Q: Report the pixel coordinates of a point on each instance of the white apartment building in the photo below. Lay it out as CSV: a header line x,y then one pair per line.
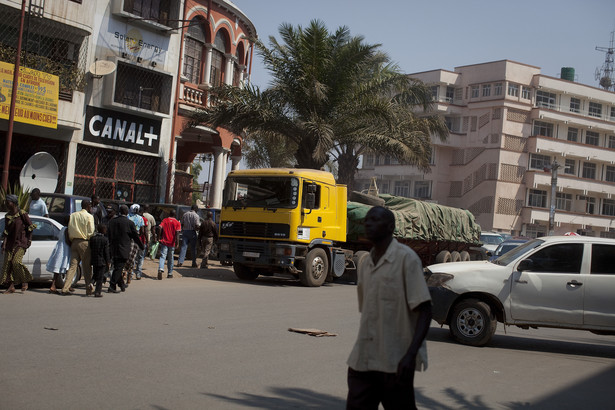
x,y
508,124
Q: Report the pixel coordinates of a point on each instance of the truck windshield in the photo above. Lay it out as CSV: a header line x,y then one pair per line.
x,y
518,251
258,191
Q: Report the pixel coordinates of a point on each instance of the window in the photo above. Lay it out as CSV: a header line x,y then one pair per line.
x,y
193,51
305,192
434,92
612,113
575,105
602,259
563,201
422,189
543,128
610,174
217,59
611,141
402,188
140,88
595,109
545,99
369,159
538,161
157,10
450,94
458,94
573,134
589,170
44,231
590,205
560,258
497,89
537,198
525,93
513,90
486,90
384,187
592,138
569,167
608,207
474,91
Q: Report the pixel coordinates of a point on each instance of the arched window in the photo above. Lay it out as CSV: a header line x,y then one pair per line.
x,y
217,59
193,51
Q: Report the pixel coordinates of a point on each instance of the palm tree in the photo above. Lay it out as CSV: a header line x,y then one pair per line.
x,y
332,96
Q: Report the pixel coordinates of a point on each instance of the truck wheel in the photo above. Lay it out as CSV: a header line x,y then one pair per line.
x,y
243,272
465,256
315,268
472,322
455,256
443,257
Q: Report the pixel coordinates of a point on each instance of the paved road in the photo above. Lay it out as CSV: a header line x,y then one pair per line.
x,y
203,340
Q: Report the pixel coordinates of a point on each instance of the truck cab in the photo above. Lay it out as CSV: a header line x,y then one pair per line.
x,y
283,221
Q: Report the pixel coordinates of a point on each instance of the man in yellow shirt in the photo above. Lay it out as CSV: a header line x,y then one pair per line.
x,y
395,308
80,229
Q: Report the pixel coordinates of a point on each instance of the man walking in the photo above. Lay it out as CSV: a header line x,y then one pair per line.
x,y
122,232
169,240
80,230
37,205
190,224
98,211
135,260
395,311
208,232
101,257
150,228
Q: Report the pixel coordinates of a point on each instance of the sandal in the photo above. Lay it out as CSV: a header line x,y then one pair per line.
x,y
24,287
54,291
8,291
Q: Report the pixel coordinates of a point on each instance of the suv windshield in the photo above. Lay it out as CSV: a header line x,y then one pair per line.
x,y
258,191
518,251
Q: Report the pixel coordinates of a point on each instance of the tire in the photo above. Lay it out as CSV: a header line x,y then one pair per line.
x,y
443,257
472,322
351,275
61,279
455,256
465,256
244,272
315,268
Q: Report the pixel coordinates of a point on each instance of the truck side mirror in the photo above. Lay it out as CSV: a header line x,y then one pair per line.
x,y
310,200
525,264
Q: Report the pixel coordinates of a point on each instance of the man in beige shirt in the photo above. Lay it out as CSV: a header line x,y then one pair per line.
x,y
80,230
395,308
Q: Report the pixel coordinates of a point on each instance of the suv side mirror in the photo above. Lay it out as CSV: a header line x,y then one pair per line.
x,y
525,264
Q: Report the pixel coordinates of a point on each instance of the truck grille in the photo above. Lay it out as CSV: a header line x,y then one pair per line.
x,y
254,229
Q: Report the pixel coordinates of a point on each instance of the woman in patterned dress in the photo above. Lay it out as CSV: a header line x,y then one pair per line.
x,y
17,237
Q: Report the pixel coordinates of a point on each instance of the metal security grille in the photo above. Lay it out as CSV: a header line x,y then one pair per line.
x,y
47,46
116,175
143,88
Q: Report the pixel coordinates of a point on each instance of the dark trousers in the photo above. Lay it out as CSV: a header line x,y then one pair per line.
x,y
98,273
116,277
366,390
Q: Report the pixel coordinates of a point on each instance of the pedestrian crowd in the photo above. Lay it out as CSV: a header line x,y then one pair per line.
x,y
105,243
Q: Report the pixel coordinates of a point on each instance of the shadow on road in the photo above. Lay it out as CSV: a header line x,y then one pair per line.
x,y
592,393
509,342
285,398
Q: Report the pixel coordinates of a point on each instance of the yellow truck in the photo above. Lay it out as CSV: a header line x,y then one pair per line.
x,y
294,221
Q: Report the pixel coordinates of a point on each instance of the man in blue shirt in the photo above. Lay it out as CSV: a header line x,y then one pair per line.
x,y
136,262
37,205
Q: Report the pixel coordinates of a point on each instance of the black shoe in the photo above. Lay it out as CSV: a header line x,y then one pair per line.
x,y
194,265
169,276
179,265
112,290
98,295
160,272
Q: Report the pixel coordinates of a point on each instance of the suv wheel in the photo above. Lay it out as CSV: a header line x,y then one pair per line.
x,y
472,322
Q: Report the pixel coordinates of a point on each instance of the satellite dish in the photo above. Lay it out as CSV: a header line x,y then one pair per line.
x,y
40,171
100,68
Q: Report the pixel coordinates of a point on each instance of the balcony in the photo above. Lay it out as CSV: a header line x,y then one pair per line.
x,y
542,180
572,220
565,148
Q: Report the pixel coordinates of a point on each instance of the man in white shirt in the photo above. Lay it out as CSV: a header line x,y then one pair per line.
x,y
190,226
37,205
395,308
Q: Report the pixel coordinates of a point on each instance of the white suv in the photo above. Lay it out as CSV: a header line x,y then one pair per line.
x,y
557,281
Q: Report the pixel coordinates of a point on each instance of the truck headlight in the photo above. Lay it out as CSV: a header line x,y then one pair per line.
x,y
283,251
225,246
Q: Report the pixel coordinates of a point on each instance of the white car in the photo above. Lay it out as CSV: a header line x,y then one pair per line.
x,y
44,239
491,241
558,281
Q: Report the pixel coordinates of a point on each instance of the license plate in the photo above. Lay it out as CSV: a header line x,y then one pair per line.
x,y
251,254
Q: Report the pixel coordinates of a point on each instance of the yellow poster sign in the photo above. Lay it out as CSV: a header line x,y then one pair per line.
x,y
37,96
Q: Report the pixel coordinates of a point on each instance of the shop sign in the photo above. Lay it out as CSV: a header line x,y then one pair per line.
x,y
37,96
135,42
123,130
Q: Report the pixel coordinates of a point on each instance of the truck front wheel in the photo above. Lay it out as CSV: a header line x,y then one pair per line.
x,y
244,272
315,268
472,322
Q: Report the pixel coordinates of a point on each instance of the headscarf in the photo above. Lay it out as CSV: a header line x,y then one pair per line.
x,y
12,198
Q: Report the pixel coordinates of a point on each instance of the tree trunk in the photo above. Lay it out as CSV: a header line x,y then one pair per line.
x,y
304,156
347,164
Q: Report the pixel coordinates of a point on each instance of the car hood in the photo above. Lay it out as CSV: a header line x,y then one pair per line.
x,y
473,276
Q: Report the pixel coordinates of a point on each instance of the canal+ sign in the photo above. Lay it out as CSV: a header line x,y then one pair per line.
x,y
118,129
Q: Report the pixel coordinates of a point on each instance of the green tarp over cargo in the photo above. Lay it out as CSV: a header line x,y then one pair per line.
x,y
418,220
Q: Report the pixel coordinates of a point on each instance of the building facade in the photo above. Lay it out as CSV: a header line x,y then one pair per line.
x,y
128,79
509,125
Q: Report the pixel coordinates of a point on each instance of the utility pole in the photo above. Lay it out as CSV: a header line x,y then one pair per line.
x,y
554,167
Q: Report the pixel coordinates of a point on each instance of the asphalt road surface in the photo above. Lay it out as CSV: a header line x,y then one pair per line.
x,y
204,340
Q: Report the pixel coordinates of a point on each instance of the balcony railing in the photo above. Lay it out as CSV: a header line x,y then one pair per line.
x,y
606,114
193,95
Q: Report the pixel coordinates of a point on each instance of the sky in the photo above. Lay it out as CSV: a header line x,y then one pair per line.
x,y
444,34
